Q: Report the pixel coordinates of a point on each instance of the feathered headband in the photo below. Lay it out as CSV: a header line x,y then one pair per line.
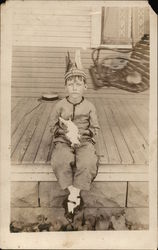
x,y
74,69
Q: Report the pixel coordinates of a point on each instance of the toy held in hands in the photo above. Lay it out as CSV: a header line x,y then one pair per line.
x,y
73,133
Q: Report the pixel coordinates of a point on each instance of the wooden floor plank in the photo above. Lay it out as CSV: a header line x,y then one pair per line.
x,y
26,138
137,132
109,141
131,135
31,151
101,142
100,146
126,157
14,102
143,103
18,108
141,124
138,135
45,145
144,114
21,109
22,127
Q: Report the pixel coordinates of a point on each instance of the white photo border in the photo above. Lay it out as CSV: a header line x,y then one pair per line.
x,y
146,239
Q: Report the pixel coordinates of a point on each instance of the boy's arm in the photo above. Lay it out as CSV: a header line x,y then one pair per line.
x,y
54,120
94,125
54,124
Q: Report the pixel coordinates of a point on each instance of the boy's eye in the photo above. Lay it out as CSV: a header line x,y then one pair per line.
x,y
70,84
80,78
73,78
70,78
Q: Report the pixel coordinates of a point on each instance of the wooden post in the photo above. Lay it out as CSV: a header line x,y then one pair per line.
x,y
95,27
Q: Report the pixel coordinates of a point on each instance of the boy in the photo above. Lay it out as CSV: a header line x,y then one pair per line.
x,y
81,115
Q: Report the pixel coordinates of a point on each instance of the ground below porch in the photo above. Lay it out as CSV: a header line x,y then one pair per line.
x,y
109,205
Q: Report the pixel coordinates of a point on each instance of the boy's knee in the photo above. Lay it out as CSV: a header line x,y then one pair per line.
x,y
61,155
87,165
88,161
55,162
61,162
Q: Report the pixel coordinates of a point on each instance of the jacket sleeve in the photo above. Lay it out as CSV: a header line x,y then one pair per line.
x,y
93,120
54,119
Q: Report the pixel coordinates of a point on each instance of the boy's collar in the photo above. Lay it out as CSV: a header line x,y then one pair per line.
x,y
67,98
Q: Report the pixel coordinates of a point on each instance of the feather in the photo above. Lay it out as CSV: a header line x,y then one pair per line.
x,y
69,63
78,59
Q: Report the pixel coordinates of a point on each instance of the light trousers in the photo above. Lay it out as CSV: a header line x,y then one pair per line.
x,y
74,166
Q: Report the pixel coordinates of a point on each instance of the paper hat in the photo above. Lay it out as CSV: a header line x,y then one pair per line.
x,y
74,69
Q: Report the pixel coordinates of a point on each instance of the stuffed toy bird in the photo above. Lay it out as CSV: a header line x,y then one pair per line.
x,y
73,133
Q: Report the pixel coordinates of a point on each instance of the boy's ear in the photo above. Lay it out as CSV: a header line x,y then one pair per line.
x,y
85,86
65,85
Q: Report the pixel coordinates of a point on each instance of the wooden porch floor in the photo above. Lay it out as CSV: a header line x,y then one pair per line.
x,y
123,138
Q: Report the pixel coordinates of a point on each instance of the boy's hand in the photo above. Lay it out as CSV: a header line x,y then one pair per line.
x,y
60,131
84,132
90,132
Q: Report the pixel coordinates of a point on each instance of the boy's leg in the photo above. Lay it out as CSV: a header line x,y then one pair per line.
x,y
86,166
62,156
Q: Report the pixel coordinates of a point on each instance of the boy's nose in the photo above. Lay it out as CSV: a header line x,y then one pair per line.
x,y
74,85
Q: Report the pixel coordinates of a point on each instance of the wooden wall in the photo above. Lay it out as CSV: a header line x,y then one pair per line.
x,y
52,26
41,36
41,69
37,70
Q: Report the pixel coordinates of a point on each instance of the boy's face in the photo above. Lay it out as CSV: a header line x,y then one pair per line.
x,y
76,86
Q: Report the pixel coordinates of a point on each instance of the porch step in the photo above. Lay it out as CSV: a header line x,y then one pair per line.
x,y
114,172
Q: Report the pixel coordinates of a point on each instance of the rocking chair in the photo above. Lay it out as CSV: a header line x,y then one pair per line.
x,y
128,69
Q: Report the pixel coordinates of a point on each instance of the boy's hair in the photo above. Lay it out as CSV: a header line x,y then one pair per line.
x,y
84,79
74,69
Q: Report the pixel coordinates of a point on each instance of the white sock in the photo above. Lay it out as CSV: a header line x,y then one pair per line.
x,y
70,188
71,207
74,193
